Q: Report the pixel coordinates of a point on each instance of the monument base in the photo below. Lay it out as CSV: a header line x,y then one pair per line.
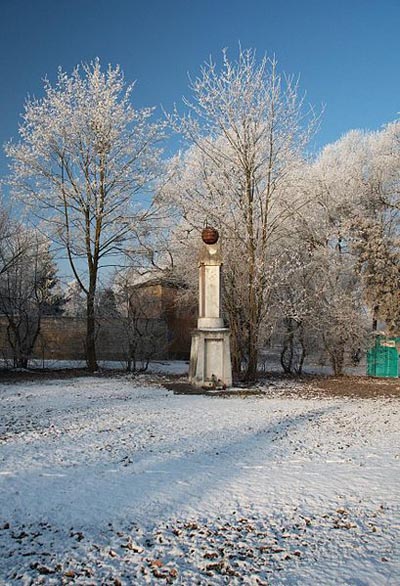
x,y
210,358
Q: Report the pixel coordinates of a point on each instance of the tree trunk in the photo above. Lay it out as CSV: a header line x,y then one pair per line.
x,y
236,351
253,332
22,336
91,358
236,360
252,352
303,350
288,347
375,318
252,365
337,361
252,326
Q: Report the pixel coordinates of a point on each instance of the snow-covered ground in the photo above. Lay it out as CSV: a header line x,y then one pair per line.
x,y
118,481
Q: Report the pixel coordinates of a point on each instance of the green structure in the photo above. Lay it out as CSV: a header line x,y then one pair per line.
x,y
383,358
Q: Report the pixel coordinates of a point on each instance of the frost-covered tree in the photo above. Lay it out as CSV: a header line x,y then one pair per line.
x,y
359,182
28,290
106,304
318,302
339,317
385,151
292,305
376,228
9,251
379,266
140,314
84,153
246,129
75,305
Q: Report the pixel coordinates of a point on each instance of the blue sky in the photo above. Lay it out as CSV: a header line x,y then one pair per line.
x,y
346,52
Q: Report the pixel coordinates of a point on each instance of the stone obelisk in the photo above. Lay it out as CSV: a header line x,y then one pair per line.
x,y
210,356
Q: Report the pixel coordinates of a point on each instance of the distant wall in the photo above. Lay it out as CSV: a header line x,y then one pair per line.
x,y
63,338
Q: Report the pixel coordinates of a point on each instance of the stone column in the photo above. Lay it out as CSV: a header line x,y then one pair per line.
x,y
210,359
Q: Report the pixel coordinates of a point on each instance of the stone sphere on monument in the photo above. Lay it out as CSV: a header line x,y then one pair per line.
x,y
209,235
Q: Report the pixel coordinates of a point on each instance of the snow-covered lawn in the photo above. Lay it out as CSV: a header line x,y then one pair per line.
x,y
119,481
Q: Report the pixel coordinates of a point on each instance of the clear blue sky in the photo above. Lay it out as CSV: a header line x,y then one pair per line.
x,y
347,52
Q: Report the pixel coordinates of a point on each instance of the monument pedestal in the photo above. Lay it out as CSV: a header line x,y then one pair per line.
x,y
210,358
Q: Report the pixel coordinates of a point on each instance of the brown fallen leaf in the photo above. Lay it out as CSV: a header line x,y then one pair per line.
x,y
44,570
158,574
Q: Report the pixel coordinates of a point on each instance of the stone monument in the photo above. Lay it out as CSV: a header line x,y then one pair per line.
x,y
210,355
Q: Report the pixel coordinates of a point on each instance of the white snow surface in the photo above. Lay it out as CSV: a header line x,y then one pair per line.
x,y
119,481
